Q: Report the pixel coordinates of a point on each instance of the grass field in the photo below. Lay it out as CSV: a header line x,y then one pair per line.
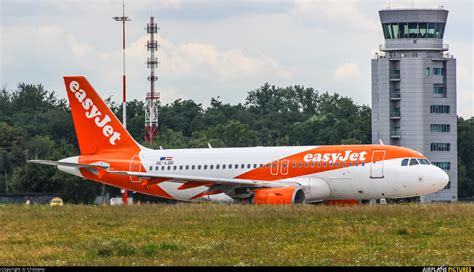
x,y
215,234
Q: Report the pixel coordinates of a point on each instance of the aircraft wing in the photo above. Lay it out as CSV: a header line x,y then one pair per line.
x,y
187,178
154,178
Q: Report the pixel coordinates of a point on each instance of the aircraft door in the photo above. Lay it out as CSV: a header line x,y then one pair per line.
x,y
284,165
376,167
274,168
135,166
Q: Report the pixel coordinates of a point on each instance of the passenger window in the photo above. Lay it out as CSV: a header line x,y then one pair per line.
x,y
337,164
267,165
236,166
187,167
319,164
248,166
405,162
306,165
261,165
294,165
169,167
156,168
230,166
325,164
151,168
312,165
199,167
350,164
300,165
205,166
193,167
357,164
162,168
174,167
211,166
413,162
363,164
217,166
344,164
331,164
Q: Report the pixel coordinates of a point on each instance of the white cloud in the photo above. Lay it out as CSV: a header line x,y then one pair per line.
x,y
226,66
205,62
344,15
347,71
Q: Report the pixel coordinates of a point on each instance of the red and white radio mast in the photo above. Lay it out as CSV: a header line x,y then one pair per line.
x,y
152,99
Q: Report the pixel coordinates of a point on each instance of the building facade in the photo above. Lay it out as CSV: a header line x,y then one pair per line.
x,y
414,90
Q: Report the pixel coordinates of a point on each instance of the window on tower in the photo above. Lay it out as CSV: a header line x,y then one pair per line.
x,y
430,30
440,147
443,165
422,29
438,71
440,128
403,30
439,109
395,31
413,30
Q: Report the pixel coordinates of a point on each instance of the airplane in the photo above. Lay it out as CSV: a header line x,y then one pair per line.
x,y
258,175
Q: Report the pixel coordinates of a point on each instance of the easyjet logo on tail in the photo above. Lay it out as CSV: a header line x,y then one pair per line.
x,y
348,155
92,112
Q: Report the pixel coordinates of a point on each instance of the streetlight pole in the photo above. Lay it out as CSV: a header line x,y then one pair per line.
x,y
123,19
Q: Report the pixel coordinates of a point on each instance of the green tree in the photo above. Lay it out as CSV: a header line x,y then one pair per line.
x,y
465,157
233,134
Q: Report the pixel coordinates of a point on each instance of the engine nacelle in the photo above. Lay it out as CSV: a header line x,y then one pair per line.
x,y
286,195
315,189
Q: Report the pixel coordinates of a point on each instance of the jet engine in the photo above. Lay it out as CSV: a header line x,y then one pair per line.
x,y
286,195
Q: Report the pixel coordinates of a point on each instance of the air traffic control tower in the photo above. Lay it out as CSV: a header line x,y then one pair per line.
x,y
414,90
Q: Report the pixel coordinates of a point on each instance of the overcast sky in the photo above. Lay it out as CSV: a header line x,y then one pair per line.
x,y
214,48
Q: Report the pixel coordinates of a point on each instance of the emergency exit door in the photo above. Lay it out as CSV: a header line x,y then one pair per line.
x,y
376,167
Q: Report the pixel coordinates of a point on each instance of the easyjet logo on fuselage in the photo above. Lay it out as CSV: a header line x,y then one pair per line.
x,y
93,112
348,155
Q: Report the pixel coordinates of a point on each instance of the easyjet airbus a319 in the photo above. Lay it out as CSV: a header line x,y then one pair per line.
x,y
262,175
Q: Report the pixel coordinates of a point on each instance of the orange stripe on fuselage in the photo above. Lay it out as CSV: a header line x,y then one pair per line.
x,y
264,173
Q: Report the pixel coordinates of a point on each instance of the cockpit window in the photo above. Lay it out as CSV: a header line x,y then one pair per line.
x,y
424,161
413,162
405,162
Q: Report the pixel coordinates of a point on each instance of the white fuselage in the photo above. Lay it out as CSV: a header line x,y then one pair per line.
x,y
368,179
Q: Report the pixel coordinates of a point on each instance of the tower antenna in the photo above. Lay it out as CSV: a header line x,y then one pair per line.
x,y
152,99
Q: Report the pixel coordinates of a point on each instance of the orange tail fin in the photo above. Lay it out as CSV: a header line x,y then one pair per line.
x,y
97,128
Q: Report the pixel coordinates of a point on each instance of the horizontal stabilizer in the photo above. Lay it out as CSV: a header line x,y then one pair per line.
x,y
70,164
